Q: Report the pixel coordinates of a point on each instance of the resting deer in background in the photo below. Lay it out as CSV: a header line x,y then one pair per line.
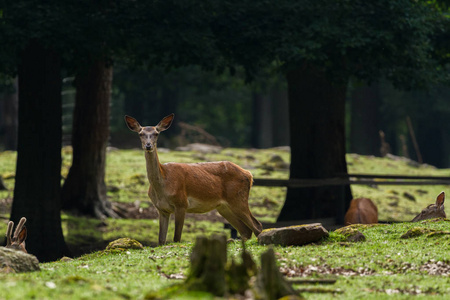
x,y
194,188
433,210
16,242
361,211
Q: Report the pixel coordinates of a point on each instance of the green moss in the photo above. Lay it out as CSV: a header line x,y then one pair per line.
x,y
124,243
414,232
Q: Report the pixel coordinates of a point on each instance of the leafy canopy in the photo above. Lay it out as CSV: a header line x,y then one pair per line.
x,y
366,39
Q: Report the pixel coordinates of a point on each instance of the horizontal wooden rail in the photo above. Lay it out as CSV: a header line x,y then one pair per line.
x,y
360,179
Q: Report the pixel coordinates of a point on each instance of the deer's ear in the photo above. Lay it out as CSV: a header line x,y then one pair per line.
x,y
440,199
165,123
22,235
132,124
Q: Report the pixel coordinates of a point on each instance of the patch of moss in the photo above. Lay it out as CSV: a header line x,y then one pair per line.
x,y
414,232
124,243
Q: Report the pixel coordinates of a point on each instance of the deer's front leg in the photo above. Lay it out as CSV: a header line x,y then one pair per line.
x,y
179,223
163,226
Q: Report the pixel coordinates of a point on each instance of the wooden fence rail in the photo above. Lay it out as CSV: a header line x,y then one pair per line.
x,y
360,179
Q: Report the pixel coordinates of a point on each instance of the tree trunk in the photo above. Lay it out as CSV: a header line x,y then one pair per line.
x,y
8,118
280,111
37,188
365,120
262,121
84,190
317,113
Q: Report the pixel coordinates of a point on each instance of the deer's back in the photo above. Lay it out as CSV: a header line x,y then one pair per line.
x,y
361,211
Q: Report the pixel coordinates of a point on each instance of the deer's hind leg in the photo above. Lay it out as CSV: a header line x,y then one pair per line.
x,y
245,216
241,227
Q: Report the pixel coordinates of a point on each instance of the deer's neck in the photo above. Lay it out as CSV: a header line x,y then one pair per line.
x,y
154,168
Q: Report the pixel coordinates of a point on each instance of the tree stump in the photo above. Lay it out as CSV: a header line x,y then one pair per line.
x,y
239,275
208,261
270,283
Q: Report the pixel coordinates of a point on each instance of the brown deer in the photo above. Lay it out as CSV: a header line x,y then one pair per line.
x,y
433,210
179,188
16,242
361,211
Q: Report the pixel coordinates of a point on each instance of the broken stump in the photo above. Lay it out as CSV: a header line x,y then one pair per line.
x,y
270,283
208,260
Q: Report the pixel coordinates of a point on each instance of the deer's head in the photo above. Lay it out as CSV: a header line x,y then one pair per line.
x,y
149,134
435,210
16,241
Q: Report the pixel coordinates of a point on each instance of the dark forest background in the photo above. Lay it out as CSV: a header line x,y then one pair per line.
x,y
237,114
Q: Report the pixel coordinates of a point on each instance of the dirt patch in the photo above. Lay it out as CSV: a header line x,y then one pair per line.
x,y
309,270
431,267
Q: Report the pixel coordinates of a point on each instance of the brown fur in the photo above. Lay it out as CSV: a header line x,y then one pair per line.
x,y
16,241
361,211
195,188
436,210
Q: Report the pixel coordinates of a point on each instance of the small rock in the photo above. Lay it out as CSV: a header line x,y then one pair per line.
x,y
275,158
202,148
124,243
351,234
293,235
13,261
414,232
66,259
409,196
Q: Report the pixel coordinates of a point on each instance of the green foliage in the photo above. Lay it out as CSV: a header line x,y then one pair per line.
x,y
366,39
219,104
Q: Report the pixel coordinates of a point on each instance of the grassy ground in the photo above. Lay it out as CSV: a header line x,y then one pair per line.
x,y
385,266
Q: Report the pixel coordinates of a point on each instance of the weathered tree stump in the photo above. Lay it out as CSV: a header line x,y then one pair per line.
x,y
239,275
210,272
208,260
270,283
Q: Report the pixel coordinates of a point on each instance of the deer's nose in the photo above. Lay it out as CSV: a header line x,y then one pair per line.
x,y
148,146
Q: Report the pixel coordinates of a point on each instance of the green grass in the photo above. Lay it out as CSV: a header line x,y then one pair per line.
x,y
395,265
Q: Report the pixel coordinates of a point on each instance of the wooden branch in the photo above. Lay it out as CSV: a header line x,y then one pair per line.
x,y
414,141
185,128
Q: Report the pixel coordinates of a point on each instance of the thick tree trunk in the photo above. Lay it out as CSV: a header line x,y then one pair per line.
x,y
280,111
84,190
262,121
8,118
365,120
37,188
316,112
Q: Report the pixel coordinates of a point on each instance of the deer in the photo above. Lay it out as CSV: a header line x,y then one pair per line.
x,y
16,241
180,188
361,211
435,210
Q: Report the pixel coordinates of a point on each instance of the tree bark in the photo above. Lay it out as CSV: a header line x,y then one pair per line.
x,y
8,119
262,129
84,190
37,188
317,126
365,120
280,122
